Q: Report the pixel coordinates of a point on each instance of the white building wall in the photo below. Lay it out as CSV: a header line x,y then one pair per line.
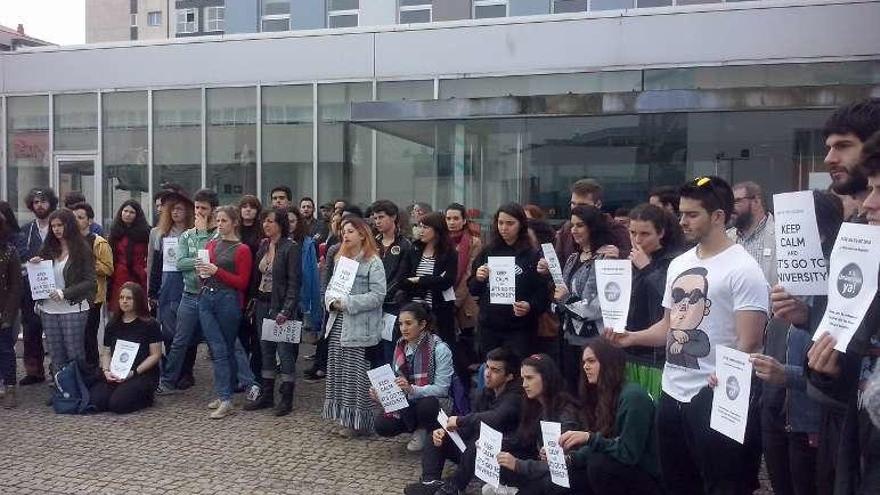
x,y
378,12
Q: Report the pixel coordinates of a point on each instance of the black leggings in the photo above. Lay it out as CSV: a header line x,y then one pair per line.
x,y
421,413
126,397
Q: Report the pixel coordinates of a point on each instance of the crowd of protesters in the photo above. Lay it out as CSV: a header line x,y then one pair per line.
x,y
634,406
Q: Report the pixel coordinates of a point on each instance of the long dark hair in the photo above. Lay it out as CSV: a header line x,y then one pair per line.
x,y
141,308
599,401
9,216
662,220
420,312
597,224
522,238
443,243
279,215
299,232
137,232
5,231
79,250
554,395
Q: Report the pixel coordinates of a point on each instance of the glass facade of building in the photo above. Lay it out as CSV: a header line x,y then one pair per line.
x,y
649,129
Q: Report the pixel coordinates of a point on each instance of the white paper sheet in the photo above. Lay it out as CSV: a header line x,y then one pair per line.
x,y
800,264
614,283
388,321
550,433
443,419
553,263
730,402
390,395
502,279
486,465
169,254
124,354
290,332
41,278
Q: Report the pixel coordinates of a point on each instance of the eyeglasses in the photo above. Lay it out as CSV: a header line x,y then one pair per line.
x,y
693,297
742,199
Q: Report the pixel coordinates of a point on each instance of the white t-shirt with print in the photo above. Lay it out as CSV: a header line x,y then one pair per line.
x,y
735,282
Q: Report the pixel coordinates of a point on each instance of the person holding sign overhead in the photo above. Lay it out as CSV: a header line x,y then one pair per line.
x,y
618,454
65,311
545,400
275,285
656,239
577,299
355,328
423,366
428,274
513,324
130,331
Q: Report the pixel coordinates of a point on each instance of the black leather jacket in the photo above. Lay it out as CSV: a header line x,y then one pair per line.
x,y
286,275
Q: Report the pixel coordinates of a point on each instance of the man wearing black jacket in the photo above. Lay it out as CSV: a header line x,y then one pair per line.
x,y
498,406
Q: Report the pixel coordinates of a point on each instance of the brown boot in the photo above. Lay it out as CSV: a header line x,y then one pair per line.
x,y
9,401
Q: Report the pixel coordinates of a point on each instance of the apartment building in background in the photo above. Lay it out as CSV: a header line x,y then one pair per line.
x,y
121,20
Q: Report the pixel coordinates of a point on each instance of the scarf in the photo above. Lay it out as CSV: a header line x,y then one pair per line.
x,y
462,242
420,371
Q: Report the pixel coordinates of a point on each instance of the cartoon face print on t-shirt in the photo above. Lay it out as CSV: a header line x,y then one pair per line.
x,y
685,342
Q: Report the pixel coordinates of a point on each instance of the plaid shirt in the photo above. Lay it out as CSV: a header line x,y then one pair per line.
x,y
761,244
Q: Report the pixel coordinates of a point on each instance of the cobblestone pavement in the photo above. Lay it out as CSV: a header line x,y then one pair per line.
x,y
174,448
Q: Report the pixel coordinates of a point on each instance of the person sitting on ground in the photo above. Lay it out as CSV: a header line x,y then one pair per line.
x,y
423,366
498,406
131,324
618,455
546,400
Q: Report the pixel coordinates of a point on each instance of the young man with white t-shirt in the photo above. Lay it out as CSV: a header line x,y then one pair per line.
x,y
715,295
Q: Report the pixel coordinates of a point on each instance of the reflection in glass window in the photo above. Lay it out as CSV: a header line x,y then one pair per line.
x,y
275,15
187,21
177,138
287,138
345,151
28,152
653,3
611,4
342,13
232,142
414,11
76,122
548,84
484,9
561,6
124,157
215,18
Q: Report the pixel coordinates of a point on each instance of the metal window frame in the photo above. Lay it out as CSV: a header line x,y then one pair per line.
x,y
489,3
219,23
4,166
274,17
341,13
194,22
154,13
428,5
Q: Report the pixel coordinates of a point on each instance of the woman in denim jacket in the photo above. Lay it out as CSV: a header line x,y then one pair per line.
x,y
354,329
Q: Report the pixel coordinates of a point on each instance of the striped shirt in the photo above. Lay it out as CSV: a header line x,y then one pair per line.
x,y
425,268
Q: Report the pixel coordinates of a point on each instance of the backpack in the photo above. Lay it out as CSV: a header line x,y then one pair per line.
x,y
458,391
71,395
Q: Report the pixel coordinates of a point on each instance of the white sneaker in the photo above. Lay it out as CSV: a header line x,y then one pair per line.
x,y
214,404
417,442
253,393
225,409
501,490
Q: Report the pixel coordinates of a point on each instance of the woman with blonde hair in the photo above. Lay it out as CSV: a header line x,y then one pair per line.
x,y
355,330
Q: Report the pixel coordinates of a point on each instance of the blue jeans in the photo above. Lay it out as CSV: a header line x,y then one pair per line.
x,y
187,328
220,314
169,301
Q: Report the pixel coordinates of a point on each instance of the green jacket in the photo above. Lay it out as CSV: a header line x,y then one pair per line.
x,y
187,251
635,443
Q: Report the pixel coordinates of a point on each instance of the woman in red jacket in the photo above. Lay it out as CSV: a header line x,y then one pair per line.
x,y
225,279
129,237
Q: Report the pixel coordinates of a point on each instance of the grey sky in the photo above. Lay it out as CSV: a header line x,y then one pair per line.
x,y
62,22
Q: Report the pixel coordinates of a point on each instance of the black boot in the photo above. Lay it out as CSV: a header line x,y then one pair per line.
x,y
266,398
285,405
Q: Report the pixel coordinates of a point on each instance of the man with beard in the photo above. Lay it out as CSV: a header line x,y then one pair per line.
x,y
845,132
41,201
753,227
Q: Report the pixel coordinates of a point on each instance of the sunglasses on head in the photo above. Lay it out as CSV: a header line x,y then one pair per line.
x,y
694,296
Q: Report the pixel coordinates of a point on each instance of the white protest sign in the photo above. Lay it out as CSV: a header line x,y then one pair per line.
x,y
344,273
443,419
502,279
800,264
550,432
730,402
388,321
486,465
614,283
169,254
204,256
449,294
553,264
123,358
852,282
290,332
41,278
390,395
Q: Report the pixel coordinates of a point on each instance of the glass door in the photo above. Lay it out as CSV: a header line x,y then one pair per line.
x,y
77,173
